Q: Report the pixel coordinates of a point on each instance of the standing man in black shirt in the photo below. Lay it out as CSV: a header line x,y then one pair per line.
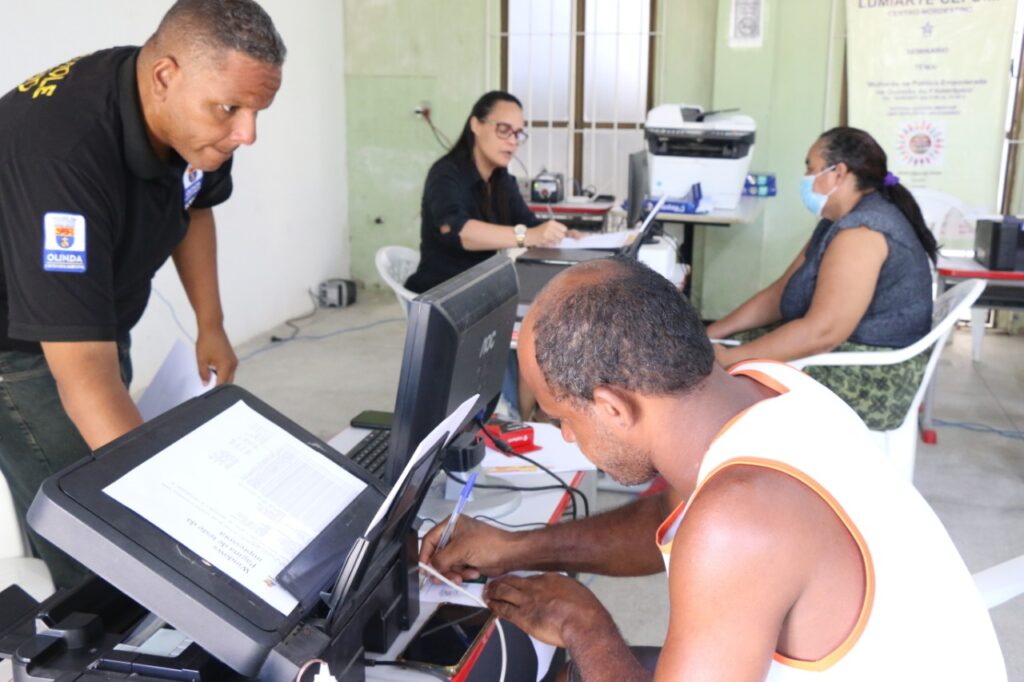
x,y
471,204
113,162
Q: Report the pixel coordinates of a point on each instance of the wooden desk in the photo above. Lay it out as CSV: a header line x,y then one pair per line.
x,y
746,212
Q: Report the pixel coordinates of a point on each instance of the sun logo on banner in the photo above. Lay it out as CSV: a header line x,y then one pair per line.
x,y
921,143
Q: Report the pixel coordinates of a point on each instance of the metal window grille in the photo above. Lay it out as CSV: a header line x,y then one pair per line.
x,y
582,71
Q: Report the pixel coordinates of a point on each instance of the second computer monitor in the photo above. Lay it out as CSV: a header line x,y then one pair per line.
x,y
456,345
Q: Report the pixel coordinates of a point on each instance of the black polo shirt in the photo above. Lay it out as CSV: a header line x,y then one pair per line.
x,y
453,194
88,212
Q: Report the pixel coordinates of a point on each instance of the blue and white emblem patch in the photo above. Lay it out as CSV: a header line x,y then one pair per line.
x,y
64,242
192,181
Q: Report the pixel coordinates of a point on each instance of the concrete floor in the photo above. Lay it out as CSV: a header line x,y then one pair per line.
x,y
975,481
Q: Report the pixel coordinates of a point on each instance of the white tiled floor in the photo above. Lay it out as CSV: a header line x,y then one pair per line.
x,y
975,481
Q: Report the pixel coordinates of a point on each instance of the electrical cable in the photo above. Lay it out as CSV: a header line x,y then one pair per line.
x,y
306,666
980,428
319,337
430,570
538,524
292,321
504,487
441,138
507,449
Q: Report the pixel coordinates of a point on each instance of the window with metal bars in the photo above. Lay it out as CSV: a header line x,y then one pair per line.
x,y
582,70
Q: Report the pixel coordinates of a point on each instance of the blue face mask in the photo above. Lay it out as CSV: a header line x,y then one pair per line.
x,y
814,201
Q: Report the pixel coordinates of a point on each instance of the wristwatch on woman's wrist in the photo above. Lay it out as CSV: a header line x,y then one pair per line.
x,y
520,232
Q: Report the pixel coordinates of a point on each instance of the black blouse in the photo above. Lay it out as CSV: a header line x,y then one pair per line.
x,y
453,194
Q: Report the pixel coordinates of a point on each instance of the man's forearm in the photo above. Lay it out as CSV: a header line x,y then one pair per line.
x,y
89,383
196,262
617,542
602,655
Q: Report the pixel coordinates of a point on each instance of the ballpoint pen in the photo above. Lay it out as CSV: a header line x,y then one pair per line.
x,y
449,528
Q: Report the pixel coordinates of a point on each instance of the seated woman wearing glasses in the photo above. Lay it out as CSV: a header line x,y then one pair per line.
x,y
471,205
862,282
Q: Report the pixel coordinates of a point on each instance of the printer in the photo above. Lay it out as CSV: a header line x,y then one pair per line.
x,y
686,145
999,243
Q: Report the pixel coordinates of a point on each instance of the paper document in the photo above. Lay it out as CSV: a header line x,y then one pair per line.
x,y
601,240
176,381
451,426
243,494
555,454
440,593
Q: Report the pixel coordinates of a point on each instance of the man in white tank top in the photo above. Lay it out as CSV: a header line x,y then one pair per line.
x,y
793,551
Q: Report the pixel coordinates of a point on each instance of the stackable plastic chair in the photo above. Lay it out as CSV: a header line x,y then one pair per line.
x,y
943,214
394,265
900,444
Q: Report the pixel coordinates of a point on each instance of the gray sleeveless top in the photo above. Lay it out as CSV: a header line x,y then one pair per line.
x,y
901,309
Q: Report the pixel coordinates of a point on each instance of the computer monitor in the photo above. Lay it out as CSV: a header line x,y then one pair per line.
x,y
637,187
456,345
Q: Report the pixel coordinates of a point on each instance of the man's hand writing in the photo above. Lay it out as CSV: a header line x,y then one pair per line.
x,y
474,549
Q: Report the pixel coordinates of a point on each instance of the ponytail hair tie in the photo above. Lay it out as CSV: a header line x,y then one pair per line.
x,y
891,180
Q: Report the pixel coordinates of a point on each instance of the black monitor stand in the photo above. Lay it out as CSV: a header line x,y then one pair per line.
x,y
78,630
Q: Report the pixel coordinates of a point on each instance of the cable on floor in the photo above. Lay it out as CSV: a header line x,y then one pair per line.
x,y
980,428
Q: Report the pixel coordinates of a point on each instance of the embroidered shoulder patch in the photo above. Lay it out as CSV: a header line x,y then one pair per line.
x,y
64,242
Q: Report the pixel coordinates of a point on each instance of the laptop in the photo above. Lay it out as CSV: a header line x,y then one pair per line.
x,y
538,265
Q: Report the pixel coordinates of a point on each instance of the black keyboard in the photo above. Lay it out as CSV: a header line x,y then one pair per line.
x,y
372,452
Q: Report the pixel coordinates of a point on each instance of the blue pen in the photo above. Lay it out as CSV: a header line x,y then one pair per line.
x,y
449,528
467,489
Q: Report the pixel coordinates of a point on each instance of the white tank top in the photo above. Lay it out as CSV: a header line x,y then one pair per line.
x,y
922,617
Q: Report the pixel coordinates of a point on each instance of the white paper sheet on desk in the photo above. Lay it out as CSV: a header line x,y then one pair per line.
x,y
450,426
176,381
243,494
601,240
555,454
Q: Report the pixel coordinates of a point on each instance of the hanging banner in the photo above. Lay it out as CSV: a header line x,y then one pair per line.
x,y
929,79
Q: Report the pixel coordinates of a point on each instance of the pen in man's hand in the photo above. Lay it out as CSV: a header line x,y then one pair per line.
x,y
467,489
449,528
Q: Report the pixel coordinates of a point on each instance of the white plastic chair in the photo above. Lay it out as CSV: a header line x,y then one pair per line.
x,y
394,265
950,219
900,444
17,565
1001,582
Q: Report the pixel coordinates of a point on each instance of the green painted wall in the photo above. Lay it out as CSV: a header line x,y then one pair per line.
x,y
399,53
792,90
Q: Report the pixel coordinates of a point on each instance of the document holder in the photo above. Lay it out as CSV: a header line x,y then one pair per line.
x,y
152,568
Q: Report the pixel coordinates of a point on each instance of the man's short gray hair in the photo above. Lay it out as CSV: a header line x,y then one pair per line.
x,y
240,25
631,329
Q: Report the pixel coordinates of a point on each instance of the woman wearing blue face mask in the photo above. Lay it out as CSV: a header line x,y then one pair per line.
x,y
862,282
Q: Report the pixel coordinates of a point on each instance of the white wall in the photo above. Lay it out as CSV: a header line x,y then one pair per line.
x,y
285,227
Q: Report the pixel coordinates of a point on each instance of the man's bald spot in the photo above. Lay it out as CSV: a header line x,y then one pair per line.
x,y
615,322
551,300
582,275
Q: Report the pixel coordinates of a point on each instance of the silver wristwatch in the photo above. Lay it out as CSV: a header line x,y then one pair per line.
x,y
520,232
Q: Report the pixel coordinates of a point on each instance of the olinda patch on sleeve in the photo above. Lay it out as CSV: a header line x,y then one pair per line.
x,y
64,242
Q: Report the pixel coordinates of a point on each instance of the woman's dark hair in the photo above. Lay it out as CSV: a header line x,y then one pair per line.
x,y
867,161
463,149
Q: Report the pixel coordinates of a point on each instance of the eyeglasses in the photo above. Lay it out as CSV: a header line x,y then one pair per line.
x,y
505,131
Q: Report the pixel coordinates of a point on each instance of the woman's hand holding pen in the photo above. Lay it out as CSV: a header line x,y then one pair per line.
x,y
549,233
475,549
